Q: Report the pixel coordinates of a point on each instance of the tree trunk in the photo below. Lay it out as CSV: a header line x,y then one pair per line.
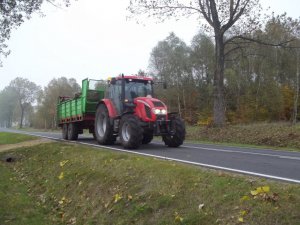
x,y
295,113
219,104
22,115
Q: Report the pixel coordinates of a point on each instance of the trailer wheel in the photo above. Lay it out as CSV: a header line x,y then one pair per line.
x,y
65,131
178,137
72,131
103,129
131,133
147,138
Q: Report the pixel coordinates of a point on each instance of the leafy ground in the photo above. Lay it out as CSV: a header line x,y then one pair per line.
x,y
9,138
263,134
57,183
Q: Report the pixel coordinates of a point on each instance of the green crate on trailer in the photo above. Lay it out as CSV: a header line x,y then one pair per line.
x,y
92,92
73,108
63,110
82,104
68,109
78,106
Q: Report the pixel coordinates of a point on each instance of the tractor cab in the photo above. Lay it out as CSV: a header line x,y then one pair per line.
x,y
123,91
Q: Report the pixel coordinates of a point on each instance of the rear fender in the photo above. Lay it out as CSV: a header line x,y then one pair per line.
x,y
110,107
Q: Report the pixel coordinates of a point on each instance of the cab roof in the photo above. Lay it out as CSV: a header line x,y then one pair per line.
x,y
134,77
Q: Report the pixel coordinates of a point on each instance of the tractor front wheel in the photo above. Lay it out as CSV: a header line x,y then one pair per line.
x,y
103,128
178,128
131,133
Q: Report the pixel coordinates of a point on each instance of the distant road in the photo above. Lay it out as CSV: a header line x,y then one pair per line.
x,y
272,164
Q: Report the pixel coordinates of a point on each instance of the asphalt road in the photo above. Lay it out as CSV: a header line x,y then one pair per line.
x,y
272,164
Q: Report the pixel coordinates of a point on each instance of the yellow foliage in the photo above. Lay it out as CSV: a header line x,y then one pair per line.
x,y
245,198
259,190
61,176
117,197
178,218
63,163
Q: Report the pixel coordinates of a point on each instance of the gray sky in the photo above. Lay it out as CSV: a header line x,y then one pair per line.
x,y
93,39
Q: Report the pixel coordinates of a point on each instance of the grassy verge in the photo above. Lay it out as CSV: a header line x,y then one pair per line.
x,y
76,184
279,135
9,138
31,129
16,205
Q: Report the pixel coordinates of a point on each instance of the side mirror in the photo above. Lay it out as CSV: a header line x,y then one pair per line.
x,y
165,85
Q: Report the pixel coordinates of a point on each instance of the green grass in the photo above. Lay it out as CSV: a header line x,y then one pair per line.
x,y
16,206
276,135
9,138
91,186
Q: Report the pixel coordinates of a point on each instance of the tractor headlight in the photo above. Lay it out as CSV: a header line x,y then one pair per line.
x,y
156,111
163,111
159,111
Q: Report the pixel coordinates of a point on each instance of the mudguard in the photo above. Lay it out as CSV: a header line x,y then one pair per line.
x,y
110,107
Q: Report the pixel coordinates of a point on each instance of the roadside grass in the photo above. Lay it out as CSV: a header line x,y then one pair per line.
x,y
83,185
279,135
13,138
31,129
16,206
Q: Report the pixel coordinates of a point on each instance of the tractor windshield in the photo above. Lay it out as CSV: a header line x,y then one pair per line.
x,y
137,88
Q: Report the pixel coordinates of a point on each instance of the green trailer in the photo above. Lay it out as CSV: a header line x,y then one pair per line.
x,y
78,113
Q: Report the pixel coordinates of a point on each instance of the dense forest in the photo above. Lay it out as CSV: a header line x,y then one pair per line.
x,y
261,79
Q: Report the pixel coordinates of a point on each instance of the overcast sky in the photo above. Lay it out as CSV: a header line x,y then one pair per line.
x,y
93,39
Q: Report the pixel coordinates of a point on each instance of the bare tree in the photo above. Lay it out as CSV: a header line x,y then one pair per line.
x,y
14,12
26,93
227,20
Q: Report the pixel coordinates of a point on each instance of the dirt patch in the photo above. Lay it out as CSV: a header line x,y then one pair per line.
x,y
24,144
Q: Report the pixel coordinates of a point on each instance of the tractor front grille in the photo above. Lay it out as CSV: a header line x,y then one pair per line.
x,y
161,117
148,111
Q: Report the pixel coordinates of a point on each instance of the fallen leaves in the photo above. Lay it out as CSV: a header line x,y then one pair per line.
x,y
178,218
61,176
260,190
264,194
117,198
62,163
200,207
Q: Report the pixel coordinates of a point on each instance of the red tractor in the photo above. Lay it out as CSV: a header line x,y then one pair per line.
x,y
130,111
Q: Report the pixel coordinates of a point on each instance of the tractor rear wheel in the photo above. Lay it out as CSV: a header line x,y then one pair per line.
x,y
72,131
103,128
178,137
65,131
131,133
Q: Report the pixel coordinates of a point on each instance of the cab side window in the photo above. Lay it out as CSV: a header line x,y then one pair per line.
x,y
114,93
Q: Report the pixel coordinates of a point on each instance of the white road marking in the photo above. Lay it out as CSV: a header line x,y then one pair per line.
x,y
242,152
179,160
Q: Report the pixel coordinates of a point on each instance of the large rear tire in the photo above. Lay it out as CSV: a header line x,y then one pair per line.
x,y
178,137
103,128
65,131
72,131
131,133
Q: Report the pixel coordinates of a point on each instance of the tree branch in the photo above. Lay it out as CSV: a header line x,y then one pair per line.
x,y
280,44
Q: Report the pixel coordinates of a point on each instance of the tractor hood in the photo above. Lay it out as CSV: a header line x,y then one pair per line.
x,y
150,102
150,109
